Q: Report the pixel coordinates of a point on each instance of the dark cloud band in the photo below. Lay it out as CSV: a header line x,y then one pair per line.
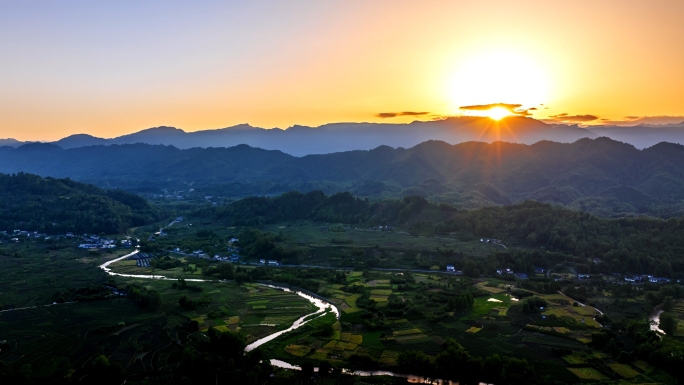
x,y
484,107
386,115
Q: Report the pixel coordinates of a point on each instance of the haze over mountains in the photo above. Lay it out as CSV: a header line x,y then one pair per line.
x,y
597,175
336,137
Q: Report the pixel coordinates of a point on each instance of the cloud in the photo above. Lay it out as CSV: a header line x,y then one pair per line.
x,y
573,118
524,112
646,120
484,107
385,115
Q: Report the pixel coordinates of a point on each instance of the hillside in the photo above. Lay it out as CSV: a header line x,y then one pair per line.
x,y
636,245
602,176
29,202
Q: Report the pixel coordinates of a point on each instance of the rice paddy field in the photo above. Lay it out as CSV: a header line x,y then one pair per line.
x,y
142,339
484,330
39,331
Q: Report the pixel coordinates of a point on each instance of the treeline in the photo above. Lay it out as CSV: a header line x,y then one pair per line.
x,y
626,245
634,340
641,245
56,206
341,207
455,363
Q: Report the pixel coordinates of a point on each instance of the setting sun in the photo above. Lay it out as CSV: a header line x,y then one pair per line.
x,y
497,113
496,76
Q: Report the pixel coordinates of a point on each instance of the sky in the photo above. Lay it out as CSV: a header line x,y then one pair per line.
x,y
109,68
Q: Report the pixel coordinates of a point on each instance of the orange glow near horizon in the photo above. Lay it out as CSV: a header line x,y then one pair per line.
x,y
499,75
498,113
84,68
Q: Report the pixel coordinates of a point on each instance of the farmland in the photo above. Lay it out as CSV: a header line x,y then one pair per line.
x,y
409,317
389,314
61,338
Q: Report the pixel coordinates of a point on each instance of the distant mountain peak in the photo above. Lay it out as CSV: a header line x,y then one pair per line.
x,y
300,140
160,129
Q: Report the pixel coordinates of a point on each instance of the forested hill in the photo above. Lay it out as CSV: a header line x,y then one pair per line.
x,y
625,245
32,203
601,176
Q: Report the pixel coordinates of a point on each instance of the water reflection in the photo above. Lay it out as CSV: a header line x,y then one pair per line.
x,y
323,308
413,379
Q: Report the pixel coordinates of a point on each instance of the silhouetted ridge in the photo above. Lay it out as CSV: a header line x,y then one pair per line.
x,y
602,175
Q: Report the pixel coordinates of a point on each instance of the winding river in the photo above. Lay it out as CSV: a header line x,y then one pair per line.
x,y
323,307
654,320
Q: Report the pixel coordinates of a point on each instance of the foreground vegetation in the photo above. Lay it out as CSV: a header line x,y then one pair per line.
x,y
382,264
57,206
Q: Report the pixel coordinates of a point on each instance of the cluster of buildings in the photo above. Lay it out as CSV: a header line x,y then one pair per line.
x,y
511,272
646,278
485,240
116,291
384,228
172,195
89,241
232,258
96,242
17,234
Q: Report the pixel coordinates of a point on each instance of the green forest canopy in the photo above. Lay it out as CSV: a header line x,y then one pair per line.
x,y
627,245
30,202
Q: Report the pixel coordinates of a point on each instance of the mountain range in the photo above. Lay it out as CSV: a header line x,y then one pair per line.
x,y
337,137
600,175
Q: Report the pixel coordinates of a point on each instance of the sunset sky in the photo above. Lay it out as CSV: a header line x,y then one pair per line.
x,y
109,68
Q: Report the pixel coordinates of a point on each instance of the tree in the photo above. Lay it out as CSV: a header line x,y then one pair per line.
x,y
101,362
152,299
668,323
26,372
664,269
241,278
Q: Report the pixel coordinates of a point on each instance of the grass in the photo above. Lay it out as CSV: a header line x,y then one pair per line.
x,y
407,332
588,373
624,370
351,302
389,357
372,340
298,350
544,341
473,330
575,359
643,366
483,307
381,292
319,354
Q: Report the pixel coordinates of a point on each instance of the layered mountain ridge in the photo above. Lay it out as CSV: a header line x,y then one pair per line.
x,y
597,175
336,137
